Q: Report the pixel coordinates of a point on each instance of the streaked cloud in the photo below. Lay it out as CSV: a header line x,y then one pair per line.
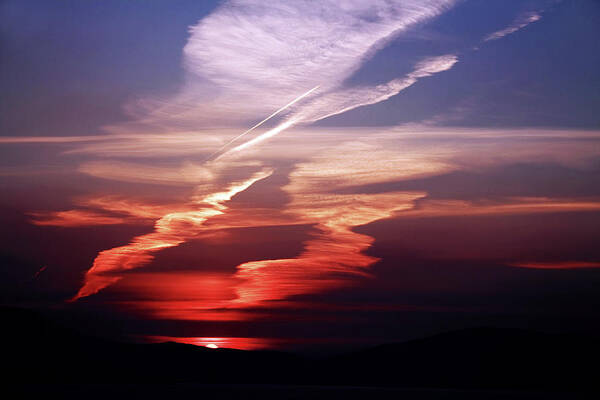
x,y
53,139
327,169
187,174
264,136
170,230
558,265
340,101
331,258
521,22
136,144
248,59
106,210
363,162
511,206
74,218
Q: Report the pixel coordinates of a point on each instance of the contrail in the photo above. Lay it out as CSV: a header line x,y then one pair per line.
x,y
268,134
291,103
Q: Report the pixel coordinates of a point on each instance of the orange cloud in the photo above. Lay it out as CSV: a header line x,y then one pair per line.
x,y
111,211
183,295
518,205
187,174
317,195
335,254
330,259
170,230
133,208
74,218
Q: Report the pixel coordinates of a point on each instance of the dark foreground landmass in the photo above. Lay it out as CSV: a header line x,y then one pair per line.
x,y
42,359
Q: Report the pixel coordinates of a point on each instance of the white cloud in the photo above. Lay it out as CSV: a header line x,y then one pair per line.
x,y
250,57
344,100
520,23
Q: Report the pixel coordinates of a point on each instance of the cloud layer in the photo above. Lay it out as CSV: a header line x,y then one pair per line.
x,y
249,58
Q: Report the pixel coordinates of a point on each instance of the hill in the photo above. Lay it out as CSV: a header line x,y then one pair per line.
x,y
37,350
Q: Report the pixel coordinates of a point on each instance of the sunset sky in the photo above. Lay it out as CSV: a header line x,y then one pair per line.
x,y
301,174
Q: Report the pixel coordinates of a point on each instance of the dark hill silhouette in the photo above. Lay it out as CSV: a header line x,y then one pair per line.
x,y
37,350
480,358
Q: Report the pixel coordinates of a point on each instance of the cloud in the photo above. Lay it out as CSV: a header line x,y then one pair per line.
x,y
244,61
106,210
187,174
521,22
363,162
338,102
343,100
52,139
140,145
249,58
170,230
264,136
269,117
335,253
558,265
74,218
131,144
429,208
325,193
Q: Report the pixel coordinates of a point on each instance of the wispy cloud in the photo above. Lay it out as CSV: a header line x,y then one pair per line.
x,y
325,193
558,265
249,58
186,174
340,101
280,110
170,230
343,100
335,253
521,22
53,139
106,210
512,206
73,218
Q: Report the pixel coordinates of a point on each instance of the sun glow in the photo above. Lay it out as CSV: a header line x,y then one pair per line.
x,y
238,343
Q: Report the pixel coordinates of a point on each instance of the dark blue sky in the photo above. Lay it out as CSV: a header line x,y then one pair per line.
x,y
543,75
68,66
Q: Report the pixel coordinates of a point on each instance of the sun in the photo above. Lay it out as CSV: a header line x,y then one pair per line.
x,y
212,346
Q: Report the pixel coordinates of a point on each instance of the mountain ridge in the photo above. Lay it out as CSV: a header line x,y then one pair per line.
x,y
38,350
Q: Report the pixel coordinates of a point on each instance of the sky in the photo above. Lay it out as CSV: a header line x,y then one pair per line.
x,y
300,174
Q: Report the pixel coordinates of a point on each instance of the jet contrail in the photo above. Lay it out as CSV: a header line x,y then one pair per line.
x,y
291,103
268,134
